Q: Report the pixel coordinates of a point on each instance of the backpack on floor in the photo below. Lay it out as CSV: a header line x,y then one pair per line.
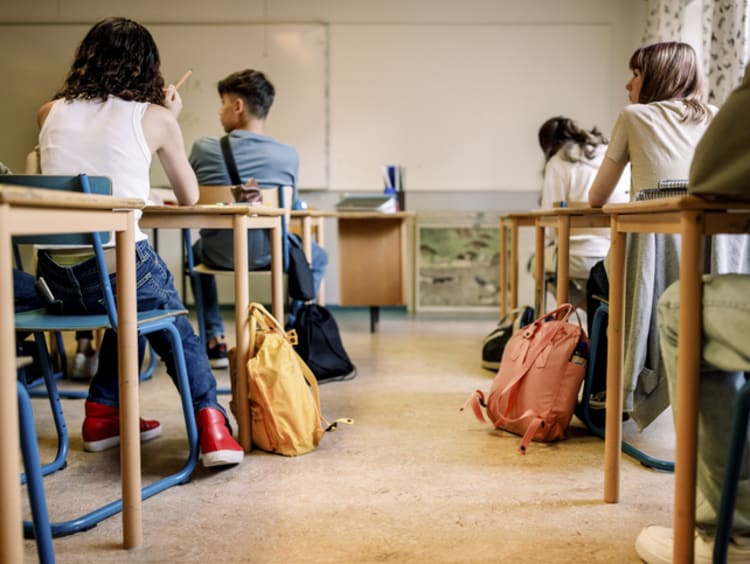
x,y
283,392
319,344
494,343
535,390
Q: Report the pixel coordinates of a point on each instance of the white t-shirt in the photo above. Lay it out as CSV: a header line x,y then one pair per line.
x,y
656,140
569,181
99,138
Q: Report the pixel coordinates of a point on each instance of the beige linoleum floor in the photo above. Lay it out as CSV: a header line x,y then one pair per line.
x,y
414,480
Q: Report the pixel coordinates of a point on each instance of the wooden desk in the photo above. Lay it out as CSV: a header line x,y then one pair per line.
x,y
26,211
372,260
692,218
239,218
307,222
564,220
511,222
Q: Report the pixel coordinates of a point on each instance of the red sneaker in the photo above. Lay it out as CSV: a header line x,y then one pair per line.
x,y
101,427
218,447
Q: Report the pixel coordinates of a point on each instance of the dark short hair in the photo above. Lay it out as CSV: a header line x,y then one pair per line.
x,y
253,87
118,57
559,132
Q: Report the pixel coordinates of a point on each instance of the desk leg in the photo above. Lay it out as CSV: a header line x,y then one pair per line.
x,y
688,384
11,534
127,343
321,238
513,263
615,331
503,270
277,273
374,318
563,259
539,289
242,301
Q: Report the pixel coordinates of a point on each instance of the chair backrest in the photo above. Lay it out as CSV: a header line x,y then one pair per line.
x,y
273,197
87,185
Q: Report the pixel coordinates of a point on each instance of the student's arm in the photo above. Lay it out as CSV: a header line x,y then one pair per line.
x,y
605,182
164,137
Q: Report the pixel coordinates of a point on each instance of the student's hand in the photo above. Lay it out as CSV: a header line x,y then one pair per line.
x,y
172,100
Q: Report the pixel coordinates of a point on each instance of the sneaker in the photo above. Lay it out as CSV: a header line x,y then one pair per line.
x,y
218,447
654,546
85,367
101,427
217,355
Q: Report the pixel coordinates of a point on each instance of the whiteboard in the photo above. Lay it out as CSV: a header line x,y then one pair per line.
x,y
460,105
35,58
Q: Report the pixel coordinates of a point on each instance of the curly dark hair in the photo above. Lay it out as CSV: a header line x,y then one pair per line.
x,y
253,86
559,132
118,57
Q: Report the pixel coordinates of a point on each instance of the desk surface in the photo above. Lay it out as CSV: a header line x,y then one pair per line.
x,y
46,198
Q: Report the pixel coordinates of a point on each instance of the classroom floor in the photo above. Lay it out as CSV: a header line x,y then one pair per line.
x,y
413,480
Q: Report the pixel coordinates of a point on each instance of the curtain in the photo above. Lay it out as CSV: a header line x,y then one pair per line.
x,y
724,36
725,46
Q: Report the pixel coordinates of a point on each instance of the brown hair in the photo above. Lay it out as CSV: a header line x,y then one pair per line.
x,y
670,71
559,132
118,57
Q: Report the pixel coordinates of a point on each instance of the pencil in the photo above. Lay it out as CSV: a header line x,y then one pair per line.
x,y
183,78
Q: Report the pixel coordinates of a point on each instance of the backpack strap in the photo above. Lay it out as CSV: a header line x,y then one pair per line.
x,y
476,402
229,161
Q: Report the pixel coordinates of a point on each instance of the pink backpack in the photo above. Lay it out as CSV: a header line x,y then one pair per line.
x,y
536,387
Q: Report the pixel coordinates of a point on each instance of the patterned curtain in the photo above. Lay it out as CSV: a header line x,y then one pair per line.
x,y
724,36
664,22
725,46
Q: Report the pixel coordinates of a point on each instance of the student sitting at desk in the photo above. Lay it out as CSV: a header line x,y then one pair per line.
x,y
111,114
572,158
246,98
721,167
657,133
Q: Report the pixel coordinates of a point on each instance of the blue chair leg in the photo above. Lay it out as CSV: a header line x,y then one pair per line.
x,y
180,477
30,453
598,327
732,474
53,395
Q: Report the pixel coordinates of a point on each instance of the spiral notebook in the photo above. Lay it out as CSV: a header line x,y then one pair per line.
x,y
667,188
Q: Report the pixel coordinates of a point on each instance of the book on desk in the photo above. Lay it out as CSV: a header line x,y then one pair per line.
x,y
367,202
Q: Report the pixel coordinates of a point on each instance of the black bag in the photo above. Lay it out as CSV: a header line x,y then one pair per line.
x,y
494,343
319,344
299,275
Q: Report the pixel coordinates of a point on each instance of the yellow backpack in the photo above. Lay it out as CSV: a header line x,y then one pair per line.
x,y
284,398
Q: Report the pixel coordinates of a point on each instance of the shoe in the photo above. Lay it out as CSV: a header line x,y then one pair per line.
x,y
85,367
218,447
217,355
654,546
101,427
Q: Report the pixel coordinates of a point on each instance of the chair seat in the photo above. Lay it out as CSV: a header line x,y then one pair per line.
x,y
42,320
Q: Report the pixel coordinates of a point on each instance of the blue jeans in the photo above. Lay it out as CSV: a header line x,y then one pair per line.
x,y
80,291
210,296
25,296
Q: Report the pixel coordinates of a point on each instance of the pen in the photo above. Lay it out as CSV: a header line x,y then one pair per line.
x,y
183,78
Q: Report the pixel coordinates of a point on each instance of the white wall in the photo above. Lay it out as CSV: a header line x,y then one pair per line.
x,y
589,86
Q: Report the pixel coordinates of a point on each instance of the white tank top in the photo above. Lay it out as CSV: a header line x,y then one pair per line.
x,y
99,139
